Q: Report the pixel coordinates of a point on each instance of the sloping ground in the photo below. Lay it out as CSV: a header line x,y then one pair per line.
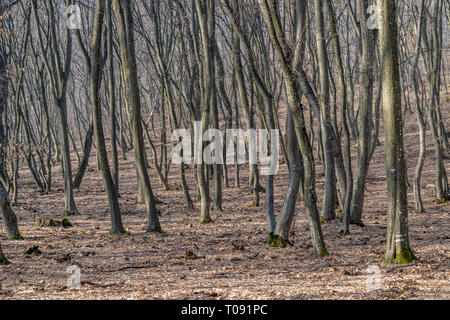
x,y
233,260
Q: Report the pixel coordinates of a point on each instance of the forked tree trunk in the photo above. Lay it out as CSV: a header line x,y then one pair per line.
x,y
287,214
278,39
328,208
397,240
116,220
343,118
365,115
124,18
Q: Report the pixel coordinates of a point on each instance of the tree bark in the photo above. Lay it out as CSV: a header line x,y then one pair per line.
x,y
124,18
397,241
116,220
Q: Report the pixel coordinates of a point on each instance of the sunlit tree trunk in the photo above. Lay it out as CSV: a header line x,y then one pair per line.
x,y
397,241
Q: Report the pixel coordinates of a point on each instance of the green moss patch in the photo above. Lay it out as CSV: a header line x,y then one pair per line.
x,y
48,222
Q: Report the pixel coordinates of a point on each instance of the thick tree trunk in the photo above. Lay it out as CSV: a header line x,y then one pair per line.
x,y
397,241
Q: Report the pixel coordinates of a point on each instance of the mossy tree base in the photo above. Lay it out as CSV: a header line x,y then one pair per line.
x,y
324,252
444,200
17,237
48,222
402,257
275,241
205,220
157,230
254,205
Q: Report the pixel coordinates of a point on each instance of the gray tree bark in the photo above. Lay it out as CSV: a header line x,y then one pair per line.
x,y
397,239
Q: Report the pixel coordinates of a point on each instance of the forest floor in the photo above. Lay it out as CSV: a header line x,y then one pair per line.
x,y
233,260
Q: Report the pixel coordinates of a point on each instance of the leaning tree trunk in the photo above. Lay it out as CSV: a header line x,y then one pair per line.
x,y
281,235
124,17
397,242
110,187
278,39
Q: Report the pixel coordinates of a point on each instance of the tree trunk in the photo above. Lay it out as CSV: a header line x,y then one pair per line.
x,y
278,39
419,114
9,218
124,18
397,241
3,259
116,220
365,115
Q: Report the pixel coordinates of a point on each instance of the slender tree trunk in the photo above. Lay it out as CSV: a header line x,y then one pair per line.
x,y
419,114
124,18
205,12
343,118
110,187
112,97
365,115
328,209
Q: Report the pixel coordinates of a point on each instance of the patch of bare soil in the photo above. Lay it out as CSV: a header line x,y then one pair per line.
x,y
230,257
